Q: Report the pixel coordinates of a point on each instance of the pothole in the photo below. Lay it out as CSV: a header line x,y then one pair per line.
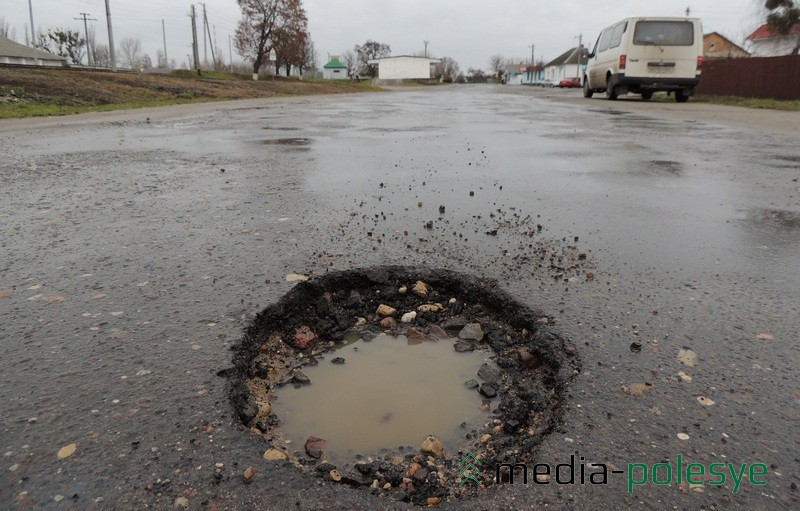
x,y
294,141
385,379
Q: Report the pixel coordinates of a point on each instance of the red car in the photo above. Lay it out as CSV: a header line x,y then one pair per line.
x,y
570,83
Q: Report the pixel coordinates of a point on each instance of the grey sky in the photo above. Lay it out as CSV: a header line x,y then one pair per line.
x,y
469,31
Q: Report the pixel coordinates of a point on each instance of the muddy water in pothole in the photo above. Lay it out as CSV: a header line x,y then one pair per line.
x,y
388,393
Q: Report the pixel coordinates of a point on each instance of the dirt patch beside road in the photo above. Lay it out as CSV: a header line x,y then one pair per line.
x,y
34,91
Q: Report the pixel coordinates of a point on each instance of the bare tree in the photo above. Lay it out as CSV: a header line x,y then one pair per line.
x,y
449,69
348,58
260,19
310,57
130,49
497,64
102,56
6,30
368,51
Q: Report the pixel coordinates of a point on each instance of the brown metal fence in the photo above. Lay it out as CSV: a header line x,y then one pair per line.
x,y
757,77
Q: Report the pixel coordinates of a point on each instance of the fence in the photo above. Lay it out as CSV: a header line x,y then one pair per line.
x,y
756,77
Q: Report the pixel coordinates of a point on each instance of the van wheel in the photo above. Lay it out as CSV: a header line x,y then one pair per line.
x,y
611,89
647,96
680,97
587,92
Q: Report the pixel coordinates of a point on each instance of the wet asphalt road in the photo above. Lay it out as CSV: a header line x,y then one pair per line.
x,y
130,263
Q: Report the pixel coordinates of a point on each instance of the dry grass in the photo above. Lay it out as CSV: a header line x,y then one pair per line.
x,y
34,92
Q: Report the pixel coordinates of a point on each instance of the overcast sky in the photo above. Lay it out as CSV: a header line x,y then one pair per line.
x,y
468,30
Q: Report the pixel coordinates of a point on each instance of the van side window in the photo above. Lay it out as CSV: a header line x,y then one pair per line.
x,y
605,38
616,37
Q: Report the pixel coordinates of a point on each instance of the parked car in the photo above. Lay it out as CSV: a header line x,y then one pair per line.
x,y
570,83
646,55
546,83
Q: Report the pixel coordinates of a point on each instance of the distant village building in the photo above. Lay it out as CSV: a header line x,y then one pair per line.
x,y
717,46
334,70
765,42
405,67
565,66
15,53
523,74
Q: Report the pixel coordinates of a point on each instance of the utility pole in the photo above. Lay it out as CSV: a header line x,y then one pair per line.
x,y
205,23
110,38
688,11
33,30
580,55
164,35
85,17
426,48
230,52
533,62
210,40
195,51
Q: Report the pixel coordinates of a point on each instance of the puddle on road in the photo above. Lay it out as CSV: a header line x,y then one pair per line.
x,y
388,393
297,141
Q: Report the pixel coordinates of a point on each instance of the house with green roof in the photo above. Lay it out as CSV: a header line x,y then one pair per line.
x,y
334,70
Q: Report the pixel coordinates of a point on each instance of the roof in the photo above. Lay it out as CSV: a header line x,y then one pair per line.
x,y
569,57
9,48
765,32
431,59
334,64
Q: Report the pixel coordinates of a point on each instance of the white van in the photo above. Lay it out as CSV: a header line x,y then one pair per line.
x,y
646,55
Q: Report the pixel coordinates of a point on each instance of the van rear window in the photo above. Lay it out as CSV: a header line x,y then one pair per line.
x,y
664,33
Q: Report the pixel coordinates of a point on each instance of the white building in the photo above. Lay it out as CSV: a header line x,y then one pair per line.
x,y
764,42
334,70
405,68
565,66
15,53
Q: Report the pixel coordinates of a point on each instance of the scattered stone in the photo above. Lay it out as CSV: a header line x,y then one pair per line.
x,y
313,446
638,389
409,317
275,455
385,311
305,338
543,321
403,290
464,346
472,384
687,357
683,436
388,323
764,337
337,360
434,501
454,323
300,378
528,358
471,331
296,277
361,321
489,373
248,475
636,347
438,332
181,502
431,307
684,376
432,446
705,401
488,390
441,208
415,335
421,289
485,439
335,476
67,451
